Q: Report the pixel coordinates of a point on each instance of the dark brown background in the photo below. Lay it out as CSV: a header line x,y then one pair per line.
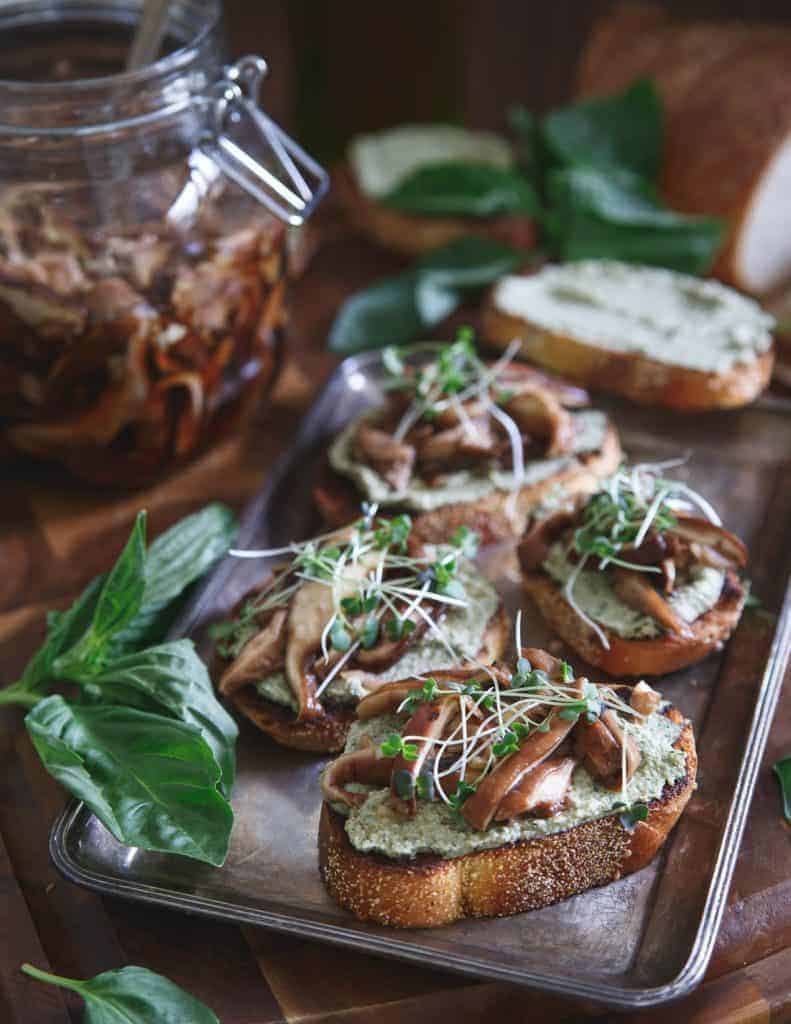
x,y
342,66
337,68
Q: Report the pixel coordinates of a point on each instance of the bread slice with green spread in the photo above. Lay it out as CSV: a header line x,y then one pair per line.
x,y
371,186
351,611
656,336
481,794
461,442
632,579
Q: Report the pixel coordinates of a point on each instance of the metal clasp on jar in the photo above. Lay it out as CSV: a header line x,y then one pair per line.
x,y
281,175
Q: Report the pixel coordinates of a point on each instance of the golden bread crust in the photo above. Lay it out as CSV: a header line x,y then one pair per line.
x,y
492,516
651,657
429,891
632,374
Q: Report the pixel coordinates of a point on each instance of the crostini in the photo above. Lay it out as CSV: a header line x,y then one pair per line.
x,y
459,441
640,579
486,792
349,612
656,336
376,165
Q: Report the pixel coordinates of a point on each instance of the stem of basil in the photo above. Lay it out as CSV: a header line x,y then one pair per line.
x,y
16,694
52,979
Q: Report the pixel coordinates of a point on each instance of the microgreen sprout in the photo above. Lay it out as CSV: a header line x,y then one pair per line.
x,y
454,376
395,745
379,590
619,517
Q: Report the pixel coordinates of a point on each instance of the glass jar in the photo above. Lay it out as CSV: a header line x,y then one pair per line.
x,y
143,223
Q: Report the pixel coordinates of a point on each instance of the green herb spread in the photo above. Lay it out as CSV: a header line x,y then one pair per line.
x,y
462,627
465,485
594,595
670,317
436,828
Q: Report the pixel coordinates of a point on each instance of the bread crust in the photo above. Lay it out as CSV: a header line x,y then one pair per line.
x,y
413,235
327,734
491,516
632,374
629,658
429,891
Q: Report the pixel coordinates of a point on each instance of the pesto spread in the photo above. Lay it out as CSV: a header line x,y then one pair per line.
x,y
381,162
669,317
465,485
594,596
371,828
462,627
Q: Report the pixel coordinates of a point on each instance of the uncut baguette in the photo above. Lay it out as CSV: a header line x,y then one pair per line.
x,y
651,657
496,516
328,733
632,374
429,891
411,234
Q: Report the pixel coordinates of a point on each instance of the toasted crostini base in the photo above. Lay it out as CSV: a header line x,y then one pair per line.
x,y
632,658
429,891
412,235
632,374
327,733
496,517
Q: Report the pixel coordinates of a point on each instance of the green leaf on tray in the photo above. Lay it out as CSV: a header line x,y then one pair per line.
x,y
616,215
455,189
151,780
132,995
398,308
623,131
171,678
175,560
782,770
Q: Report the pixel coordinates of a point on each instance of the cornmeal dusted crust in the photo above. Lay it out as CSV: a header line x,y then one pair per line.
x,y
632,374
429,891
327,734
650,657
496,516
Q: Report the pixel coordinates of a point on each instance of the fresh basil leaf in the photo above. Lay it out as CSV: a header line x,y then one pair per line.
x,y
470,262
132,995
172,678
151,780
175,560
621,131
782,770
609,215
456,189
384,314
64,630
396,309
123,589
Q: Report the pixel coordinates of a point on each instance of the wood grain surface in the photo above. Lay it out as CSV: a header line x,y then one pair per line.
x,y
55,535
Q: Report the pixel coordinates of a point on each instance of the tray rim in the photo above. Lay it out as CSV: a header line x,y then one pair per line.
x,y
390,946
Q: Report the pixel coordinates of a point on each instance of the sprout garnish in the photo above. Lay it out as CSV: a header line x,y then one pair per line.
x,y
619,516
493,721
457,375
389,587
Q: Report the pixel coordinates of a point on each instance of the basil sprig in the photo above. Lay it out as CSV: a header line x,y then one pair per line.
x,y
133,995
456,189
398,308
147,746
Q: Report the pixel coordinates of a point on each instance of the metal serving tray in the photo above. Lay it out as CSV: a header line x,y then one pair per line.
x,y
638,942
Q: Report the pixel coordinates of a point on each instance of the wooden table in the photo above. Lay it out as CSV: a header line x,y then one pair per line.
x,y
53,537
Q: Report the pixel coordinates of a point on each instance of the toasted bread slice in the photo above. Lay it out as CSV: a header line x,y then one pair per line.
x,y
412,235
327,734
428,891
496,517
650,657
